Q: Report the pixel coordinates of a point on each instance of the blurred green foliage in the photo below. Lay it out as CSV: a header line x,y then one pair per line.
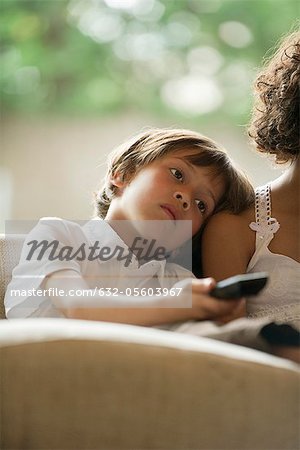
x,y
181,58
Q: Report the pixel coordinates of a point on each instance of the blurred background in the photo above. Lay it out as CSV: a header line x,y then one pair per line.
x,y
77,77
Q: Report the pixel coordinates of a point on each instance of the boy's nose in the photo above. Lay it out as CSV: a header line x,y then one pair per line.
x,y
183,199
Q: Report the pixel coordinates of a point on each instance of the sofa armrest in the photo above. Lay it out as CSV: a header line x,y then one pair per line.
x,y
68,384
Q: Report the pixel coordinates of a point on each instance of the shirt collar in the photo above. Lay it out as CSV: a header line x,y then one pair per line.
x,y
98,229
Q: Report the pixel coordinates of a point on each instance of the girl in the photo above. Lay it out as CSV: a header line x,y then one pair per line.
x,y
266,238
172,177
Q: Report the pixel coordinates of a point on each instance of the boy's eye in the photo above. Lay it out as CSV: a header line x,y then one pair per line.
x,y
177,174
201,206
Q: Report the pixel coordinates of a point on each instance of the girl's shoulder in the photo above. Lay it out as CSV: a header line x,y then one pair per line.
x,y
227,237
226,223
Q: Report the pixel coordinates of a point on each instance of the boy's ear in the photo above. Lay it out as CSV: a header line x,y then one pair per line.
x,y
117,181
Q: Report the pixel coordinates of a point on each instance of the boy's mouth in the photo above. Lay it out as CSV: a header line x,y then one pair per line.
x,y
170,211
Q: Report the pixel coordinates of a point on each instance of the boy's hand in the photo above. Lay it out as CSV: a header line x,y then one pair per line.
x,y
236,313
206,307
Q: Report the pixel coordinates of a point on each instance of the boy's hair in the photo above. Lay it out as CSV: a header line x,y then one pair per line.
x,y
275,119
153,144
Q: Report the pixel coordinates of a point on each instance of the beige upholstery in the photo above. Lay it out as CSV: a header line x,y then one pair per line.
x,y
68,384
10,250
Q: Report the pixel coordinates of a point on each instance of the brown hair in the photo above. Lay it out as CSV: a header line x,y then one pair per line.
x,y
275,119
153,144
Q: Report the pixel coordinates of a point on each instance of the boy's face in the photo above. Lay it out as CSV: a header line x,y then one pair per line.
x,y
169,189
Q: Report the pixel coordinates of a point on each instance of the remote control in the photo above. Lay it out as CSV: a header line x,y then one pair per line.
x,y
240,286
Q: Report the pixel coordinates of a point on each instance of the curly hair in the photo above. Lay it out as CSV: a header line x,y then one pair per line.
x,y
275,119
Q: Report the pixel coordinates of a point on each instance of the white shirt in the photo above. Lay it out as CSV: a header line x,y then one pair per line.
x,y
30,274
280,299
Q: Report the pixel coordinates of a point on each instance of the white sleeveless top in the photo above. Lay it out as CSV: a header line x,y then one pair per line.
x,y
280,300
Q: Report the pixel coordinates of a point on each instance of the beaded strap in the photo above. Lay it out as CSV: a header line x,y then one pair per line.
x,y
263,220
263,205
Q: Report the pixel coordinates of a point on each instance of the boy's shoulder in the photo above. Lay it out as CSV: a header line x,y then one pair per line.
x,y
56,228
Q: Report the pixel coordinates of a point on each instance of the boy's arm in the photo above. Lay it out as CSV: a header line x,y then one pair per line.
x,y
147,311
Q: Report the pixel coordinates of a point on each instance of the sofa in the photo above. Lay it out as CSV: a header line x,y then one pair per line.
x,y
72,384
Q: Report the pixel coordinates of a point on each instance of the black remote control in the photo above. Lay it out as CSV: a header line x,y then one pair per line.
x,y
240,286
